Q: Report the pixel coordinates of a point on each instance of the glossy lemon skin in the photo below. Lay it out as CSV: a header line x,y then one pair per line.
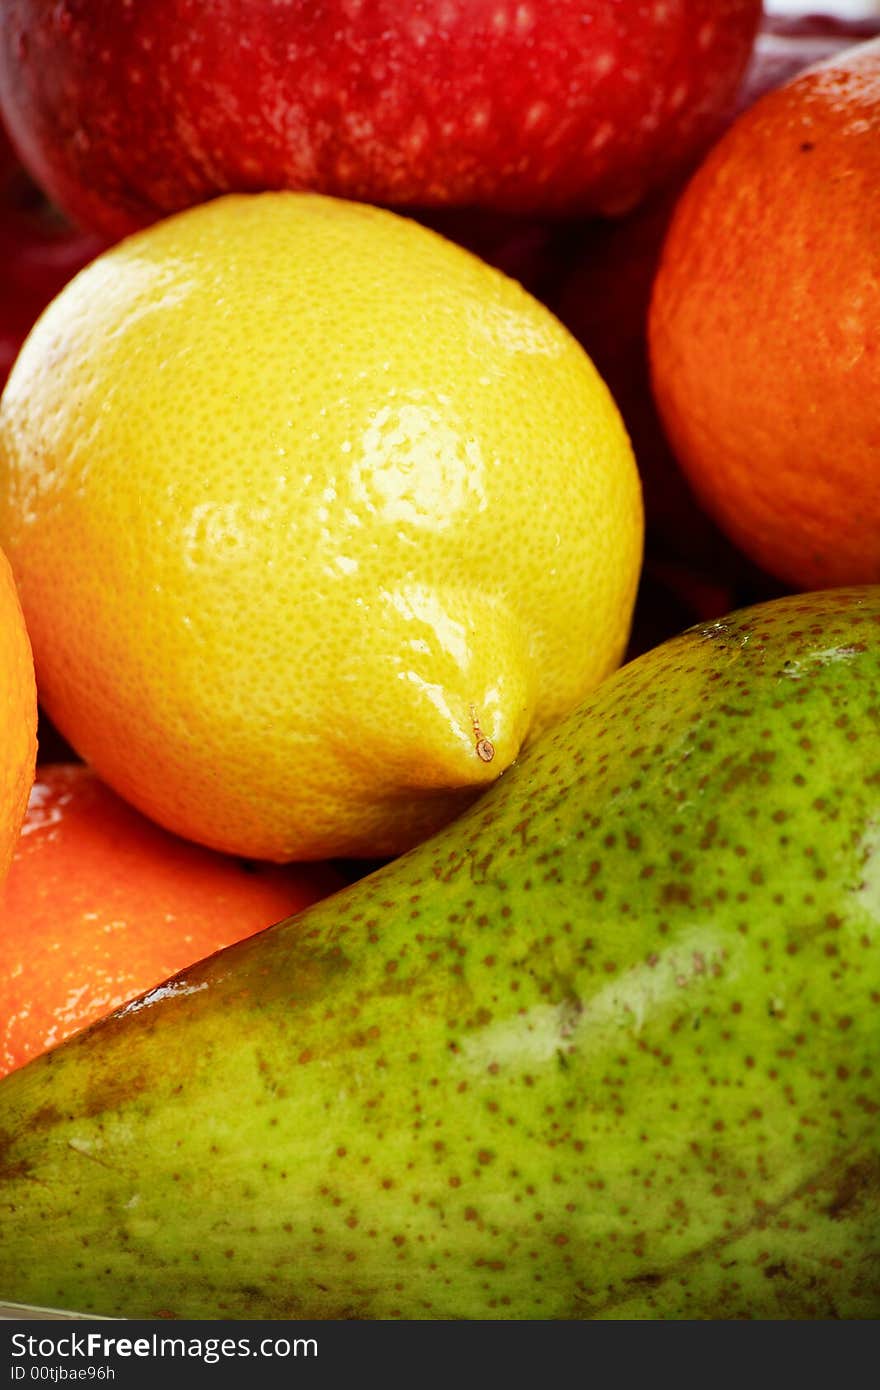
x,y
316,520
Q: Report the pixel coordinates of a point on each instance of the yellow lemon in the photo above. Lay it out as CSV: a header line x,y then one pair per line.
x,y
316,520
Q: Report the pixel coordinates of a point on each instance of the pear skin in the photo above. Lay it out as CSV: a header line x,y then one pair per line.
x,y
606,1047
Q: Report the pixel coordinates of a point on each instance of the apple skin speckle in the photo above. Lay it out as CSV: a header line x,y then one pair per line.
x,y
431,103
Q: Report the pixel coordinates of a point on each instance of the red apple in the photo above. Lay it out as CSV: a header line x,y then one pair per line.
x,y
604,296
125,112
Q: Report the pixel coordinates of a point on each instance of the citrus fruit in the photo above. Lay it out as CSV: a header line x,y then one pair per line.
x,y
101,905
765,327
316,519
18,716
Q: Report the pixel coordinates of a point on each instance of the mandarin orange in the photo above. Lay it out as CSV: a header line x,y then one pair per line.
x,y
101,905
765,327
18,716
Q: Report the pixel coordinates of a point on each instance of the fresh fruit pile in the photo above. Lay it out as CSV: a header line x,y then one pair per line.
x,y
445,490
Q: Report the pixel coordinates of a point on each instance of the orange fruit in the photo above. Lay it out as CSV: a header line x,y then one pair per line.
x,y
101,905
765,327
18,716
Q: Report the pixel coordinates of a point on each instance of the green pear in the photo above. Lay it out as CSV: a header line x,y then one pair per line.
x,y
606,1047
